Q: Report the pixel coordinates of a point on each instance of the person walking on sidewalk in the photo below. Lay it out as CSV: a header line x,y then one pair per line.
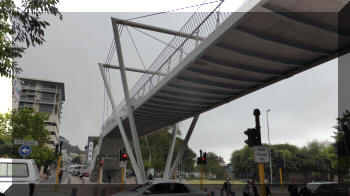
x,y
60,177
250,189
226,187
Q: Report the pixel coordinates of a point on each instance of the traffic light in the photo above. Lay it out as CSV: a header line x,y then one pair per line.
x,y
124,157
253,137
101,163
202,159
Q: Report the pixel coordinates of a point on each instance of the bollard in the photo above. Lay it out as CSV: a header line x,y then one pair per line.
x,y
103,192
74,192
94,191
212,193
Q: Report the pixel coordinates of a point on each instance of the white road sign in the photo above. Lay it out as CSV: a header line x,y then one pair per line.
x,y
261,154
122,163
26,142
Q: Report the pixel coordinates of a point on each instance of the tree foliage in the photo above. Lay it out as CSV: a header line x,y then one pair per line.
x,y
76,160
317,157
155,148
28,125
213,166
22,24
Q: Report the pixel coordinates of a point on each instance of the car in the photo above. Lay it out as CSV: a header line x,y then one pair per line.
x,y
23,173
162,188
327,188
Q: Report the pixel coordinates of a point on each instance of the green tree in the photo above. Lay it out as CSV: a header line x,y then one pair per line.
x,y
155,148
29,125
213,166
20,24
76,160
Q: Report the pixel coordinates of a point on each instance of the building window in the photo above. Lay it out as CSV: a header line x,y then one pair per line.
x,y
49,87
45,108
51,124
47,97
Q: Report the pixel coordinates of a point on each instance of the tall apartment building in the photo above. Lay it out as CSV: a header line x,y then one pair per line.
x,y
43,96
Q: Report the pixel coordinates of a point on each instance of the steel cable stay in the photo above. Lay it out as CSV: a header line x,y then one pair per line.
x,y
138,52
174,10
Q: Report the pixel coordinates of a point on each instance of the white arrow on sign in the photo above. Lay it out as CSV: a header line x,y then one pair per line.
x,y
25,150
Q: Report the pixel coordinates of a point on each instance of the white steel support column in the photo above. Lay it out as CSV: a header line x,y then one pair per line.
x,y
134,134
181,152
170,153
121,128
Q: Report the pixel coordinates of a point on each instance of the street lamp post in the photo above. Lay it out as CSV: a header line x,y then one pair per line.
x,y
268,136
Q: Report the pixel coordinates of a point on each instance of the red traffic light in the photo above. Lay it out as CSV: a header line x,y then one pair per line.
x,y
125,156
101,163
203,158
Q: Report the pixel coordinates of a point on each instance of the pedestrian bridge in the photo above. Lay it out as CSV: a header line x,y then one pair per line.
x,y
218,57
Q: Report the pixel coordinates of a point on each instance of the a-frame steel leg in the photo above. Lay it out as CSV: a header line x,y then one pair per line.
x,y
170,153
181,152
139,178
134,134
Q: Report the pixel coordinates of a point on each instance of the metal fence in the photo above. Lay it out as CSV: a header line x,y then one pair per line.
x,y
200,25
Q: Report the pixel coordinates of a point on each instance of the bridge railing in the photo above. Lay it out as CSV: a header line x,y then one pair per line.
x,y
200,25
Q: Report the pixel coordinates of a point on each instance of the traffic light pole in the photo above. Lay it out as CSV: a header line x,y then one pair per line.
x,y
281,179
262,179
201,176
58,171
122,180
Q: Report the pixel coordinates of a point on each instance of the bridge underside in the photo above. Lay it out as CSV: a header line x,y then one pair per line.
x,y
247,52
276,41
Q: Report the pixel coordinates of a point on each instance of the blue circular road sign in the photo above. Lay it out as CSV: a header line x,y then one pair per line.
x,y
25,150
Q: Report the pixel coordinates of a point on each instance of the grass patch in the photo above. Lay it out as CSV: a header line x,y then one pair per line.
x,y
213,181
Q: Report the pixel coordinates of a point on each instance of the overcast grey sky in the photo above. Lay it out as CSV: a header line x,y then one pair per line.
x,y
303,107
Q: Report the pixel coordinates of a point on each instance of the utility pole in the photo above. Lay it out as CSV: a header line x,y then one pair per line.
x,y
261,165
268,137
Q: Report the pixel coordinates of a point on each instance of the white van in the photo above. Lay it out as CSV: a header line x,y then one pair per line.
x,y
20,172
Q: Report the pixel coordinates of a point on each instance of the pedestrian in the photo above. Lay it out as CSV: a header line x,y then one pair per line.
x,y
250,189
293,189
226,187
267,189
60,177
304,191
150,177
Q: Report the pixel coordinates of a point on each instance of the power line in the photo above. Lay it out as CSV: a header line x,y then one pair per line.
x,y
178,9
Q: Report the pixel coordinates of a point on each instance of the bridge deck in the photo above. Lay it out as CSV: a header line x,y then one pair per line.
x,y
246,52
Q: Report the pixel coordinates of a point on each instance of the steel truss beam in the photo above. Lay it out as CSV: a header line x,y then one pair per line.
x,y
156,29
130,109
132,69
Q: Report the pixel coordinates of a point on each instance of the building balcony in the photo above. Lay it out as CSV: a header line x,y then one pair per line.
x,y
46,101
47,89
26,99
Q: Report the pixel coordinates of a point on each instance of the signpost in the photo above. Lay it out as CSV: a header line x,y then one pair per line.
x,y
261,154
26,142
25,150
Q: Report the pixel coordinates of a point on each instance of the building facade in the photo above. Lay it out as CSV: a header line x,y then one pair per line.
x,y
89,150
43,96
